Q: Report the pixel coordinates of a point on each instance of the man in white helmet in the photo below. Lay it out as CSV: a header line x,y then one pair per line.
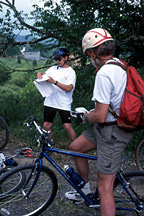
x,y
103,134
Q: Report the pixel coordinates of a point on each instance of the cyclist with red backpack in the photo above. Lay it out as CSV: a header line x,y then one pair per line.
x,y
103,134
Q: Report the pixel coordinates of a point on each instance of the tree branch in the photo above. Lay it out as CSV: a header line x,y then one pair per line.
x,y
23,23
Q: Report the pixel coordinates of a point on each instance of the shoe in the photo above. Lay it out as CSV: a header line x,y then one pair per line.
x,y
75,196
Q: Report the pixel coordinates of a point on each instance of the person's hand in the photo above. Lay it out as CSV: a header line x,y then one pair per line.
x,y
81,117
39,75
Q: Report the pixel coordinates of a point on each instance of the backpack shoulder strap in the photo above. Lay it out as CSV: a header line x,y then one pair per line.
x,y
112,111
119,64
124,68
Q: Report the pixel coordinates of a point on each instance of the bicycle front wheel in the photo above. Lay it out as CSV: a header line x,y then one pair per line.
x,y
135,184
12,184
39,199
4,133
140,155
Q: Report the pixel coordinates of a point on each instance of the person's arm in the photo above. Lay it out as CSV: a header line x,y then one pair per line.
x,y
64,87
99,114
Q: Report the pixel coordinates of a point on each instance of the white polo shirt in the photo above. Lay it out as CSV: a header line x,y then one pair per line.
x,y
59,98
109,88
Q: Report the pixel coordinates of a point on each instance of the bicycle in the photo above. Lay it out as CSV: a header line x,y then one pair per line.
x,y
8,163
4,133
140,155
41,184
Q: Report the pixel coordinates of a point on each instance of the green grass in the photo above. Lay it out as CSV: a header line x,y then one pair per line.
x,y
23,68
25,64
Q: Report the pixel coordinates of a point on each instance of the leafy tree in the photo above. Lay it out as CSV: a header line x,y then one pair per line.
x,y
19,60
65,23
34,63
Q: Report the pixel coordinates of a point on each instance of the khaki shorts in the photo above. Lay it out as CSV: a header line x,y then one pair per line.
x,y
111,142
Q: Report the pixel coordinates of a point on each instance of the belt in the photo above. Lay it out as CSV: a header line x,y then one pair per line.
x,y
109,123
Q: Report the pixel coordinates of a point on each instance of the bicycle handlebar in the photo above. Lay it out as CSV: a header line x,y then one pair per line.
x,y
44,134
79,113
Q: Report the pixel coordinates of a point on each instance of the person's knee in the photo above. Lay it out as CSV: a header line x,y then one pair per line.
x,y
74,146
105,184
47,126
71,147
67,127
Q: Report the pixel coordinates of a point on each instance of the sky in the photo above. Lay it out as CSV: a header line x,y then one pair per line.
x,y
26,6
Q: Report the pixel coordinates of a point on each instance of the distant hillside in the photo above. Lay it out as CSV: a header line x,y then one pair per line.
x,y
21,38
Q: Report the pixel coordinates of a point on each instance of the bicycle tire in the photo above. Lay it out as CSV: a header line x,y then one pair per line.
x,y
134,179
140,155
40,198
4,133
11,185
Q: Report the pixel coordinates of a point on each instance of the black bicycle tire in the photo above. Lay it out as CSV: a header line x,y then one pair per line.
x,y
5,127
140,155
36,195
15,188
135,179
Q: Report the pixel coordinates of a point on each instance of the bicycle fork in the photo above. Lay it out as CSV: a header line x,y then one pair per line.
x,y
37,168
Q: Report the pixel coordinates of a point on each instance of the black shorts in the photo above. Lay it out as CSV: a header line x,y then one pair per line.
x,y
50,112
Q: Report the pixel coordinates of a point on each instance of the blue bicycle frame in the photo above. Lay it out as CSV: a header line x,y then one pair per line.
x,y
94,200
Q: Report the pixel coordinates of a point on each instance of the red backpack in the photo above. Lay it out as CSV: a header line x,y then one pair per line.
x,y
132,108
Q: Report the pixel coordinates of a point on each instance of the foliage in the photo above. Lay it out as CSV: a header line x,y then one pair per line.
x,y
4,74
138,135
12,50
34,63
19,60
84,87
9,104
65,22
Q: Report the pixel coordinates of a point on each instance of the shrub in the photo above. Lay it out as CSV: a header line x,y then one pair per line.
x,y
4,74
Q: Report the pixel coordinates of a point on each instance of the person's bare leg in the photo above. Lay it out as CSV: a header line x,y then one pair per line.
x,y
70,131
48,127
105,187
82,145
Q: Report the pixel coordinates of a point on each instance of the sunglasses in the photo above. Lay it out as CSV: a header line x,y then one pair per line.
x,y
59,59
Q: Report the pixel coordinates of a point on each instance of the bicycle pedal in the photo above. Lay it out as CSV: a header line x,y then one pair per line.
x,y
94,206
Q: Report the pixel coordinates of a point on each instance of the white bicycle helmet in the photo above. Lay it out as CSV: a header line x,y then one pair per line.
x,y
94,38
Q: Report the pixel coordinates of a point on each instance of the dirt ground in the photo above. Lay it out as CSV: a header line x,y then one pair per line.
x,y
61,206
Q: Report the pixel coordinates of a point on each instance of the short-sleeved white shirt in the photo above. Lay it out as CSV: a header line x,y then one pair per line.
x,y
109,88
59,98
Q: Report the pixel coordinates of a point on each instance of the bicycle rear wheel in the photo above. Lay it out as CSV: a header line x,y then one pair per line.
x,y
39,199
140,155
135,180
4,133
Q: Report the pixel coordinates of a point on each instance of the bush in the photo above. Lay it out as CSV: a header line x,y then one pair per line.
x,y
9,103
4,74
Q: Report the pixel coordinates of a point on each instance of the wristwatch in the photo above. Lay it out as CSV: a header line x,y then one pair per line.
x,y
56,83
